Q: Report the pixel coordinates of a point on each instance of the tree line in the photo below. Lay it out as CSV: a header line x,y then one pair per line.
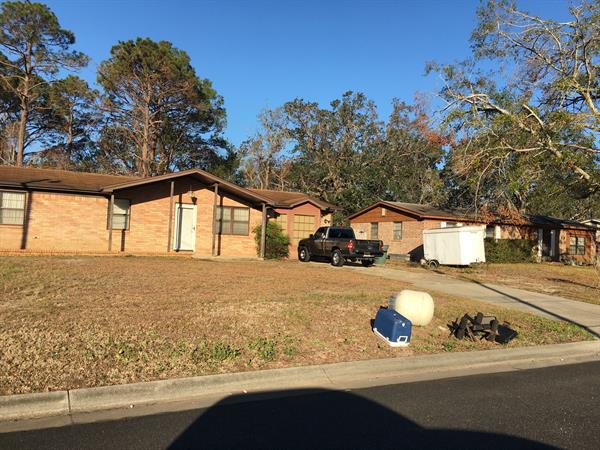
x,y
517,131
153,113
515,127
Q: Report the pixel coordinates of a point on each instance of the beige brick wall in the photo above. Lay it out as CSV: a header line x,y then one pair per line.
x,y
518,232
412,230
61,222
564,242
412,235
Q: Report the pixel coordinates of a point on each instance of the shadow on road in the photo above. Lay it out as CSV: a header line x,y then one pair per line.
x,y
325,419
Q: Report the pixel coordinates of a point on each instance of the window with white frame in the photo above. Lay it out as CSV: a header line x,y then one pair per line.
x,y
397,231
12,208
577,245
120,219
490,231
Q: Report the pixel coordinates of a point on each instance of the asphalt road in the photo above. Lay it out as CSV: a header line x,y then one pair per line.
x,y
541,408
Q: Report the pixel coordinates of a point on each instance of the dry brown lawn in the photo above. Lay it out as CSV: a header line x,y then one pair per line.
x,y
574,282
69,322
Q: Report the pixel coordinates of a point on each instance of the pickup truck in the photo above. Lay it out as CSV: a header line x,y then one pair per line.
x,y
339,245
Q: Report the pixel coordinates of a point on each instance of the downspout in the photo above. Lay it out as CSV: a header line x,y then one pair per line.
x,y
111,206
214,222
263,231
170,232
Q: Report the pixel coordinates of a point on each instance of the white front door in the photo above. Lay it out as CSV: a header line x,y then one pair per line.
x,y
185,227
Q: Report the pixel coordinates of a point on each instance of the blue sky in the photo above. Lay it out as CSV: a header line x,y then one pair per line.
x,y
262,53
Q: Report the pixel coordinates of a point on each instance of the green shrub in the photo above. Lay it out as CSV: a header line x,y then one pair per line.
x,y
277,245
509,250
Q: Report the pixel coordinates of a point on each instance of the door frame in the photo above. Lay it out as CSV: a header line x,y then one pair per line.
x,y
178,208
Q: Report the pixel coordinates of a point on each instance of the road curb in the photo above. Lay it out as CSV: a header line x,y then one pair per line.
x,y
125,395
26,406
330,376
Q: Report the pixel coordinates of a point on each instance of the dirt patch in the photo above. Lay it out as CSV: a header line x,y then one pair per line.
x,y
92,321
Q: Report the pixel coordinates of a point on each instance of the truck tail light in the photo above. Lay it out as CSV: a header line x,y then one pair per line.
x,y
350,245
381,245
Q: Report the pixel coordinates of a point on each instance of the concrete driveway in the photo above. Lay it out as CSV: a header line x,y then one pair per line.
x,y
583,314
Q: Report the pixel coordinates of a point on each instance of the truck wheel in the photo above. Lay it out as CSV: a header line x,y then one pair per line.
x,y
367,262
303,254
433,264
337,259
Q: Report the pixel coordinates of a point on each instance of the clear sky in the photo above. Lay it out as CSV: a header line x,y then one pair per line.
x,y
262,53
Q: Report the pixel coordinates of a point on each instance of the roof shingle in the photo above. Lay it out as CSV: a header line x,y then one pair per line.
x,y
60,180
287,199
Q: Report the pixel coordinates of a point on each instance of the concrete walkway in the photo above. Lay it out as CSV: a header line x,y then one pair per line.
x,y
583,314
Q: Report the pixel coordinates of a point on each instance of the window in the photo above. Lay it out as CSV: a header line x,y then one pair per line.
x,y
577,246
490,231
120,214
12,208
397,231
374,230
303,226
320,233
341,233
232,220
282,220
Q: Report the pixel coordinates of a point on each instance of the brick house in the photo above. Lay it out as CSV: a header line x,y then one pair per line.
x,y
193,212
596,224
401,225
298,214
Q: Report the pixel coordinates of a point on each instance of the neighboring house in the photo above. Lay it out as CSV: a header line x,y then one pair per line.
x,y
298,214
57,211
401,225
596,224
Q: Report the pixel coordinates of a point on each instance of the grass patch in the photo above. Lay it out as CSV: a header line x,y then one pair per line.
x,y
90,321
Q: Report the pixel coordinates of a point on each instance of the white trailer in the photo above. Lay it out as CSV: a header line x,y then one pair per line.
x,y
458,246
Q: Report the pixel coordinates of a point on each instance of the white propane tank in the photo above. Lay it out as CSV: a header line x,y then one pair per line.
x,y
416,306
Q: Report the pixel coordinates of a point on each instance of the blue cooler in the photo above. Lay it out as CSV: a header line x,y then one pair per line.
x,y
392,327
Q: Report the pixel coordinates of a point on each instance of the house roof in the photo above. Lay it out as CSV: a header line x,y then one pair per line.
x,y
593,222
537,219
429,212
287,199
57,180
96,183
418,210
202,176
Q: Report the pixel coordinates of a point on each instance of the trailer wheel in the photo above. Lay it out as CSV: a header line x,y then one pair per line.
x,y
433,264
337,259
367,262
